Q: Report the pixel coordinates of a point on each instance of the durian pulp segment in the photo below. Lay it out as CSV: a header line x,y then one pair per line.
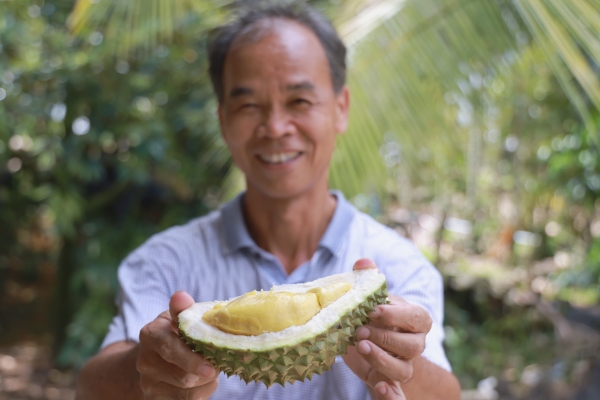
x,y
255,313
330,293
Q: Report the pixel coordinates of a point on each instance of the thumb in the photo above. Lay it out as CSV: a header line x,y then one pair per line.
x,y
364,263
179,302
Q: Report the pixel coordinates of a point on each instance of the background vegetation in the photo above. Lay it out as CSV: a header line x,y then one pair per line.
x,y
474,132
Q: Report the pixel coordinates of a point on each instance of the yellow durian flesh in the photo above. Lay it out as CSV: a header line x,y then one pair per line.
x,y
255,313
330,293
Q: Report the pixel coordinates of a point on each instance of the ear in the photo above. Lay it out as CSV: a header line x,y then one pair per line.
x,y
342,109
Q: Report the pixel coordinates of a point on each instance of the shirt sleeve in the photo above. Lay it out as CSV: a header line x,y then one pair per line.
x,y
411,276
144,291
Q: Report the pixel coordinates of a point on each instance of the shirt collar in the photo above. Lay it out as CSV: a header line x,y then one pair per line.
x,y
237,236
236,233
339,224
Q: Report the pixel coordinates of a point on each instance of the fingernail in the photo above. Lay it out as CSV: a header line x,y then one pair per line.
x,y
365,263
375,313
206,370
363,333
381,389
363,348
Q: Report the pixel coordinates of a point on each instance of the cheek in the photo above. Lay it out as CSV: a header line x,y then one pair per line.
x,y
236,146
320,131
238,133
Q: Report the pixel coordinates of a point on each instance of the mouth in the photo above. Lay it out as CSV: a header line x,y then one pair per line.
x,y
279,158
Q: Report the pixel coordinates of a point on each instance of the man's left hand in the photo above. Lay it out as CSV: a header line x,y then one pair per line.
x,y
388,345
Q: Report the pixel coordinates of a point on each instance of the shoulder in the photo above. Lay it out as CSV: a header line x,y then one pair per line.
x,y
193,230
170,257
178,244
373,234
396,256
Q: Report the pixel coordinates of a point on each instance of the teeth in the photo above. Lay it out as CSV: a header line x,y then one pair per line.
x,y
279,158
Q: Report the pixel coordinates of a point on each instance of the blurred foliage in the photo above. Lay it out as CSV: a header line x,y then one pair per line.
x,y
486,338
96,155
476,124
461,111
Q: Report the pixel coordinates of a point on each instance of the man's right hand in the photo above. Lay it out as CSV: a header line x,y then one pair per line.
x,y
167,366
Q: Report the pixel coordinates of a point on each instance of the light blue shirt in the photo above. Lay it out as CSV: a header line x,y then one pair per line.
x,y
214,258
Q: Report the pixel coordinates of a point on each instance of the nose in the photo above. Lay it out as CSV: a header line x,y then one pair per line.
x,y
277,123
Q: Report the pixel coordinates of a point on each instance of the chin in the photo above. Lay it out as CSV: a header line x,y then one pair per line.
x,y
281,192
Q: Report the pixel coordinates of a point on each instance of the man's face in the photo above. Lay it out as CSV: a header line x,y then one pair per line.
x,y
280,115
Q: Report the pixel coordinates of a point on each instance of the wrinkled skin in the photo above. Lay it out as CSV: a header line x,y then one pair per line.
x,y
388,345
167,367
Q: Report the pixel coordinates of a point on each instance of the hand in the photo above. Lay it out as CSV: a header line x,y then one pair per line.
x,y
168,368
383,357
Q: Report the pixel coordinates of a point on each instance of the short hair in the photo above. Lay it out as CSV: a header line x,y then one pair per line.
x,y
248,21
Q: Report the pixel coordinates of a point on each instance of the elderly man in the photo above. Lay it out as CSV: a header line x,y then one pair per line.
x,y
279,75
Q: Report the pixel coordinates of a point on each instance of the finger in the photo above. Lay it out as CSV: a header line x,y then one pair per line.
x,y
160,337
405,316
365,263
387,391
403,345
179,302
163,391
393,368
151,365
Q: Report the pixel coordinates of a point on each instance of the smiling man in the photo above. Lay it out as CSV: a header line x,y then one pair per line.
x,y
279,75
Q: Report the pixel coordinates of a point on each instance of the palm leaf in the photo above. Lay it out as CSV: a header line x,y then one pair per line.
x,y
130,25
569,33
399,74
401,70
405,56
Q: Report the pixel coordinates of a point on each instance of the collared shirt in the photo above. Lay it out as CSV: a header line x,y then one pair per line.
x,y
215,258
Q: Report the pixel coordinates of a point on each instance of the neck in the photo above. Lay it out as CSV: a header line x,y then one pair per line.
x,y
289,228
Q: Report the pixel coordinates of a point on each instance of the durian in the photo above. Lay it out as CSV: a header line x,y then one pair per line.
x,y
294,353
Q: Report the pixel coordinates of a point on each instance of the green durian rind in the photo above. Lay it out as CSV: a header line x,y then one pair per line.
x,y
297,362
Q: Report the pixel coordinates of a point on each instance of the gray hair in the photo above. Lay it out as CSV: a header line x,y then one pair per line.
x,y
247,24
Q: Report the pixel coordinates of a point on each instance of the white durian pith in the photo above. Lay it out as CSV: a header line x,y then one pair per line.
x,y
294,353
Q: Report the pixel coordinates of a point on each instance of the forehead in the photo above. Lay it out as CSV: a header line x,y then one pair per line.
x,y
276,49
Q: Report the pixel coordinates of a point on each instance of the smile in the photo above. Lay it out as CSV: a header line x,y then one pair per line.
x,y
279,158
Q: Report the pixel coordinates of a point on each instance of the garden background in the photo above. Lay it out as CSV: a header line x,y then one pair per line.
x,y
474,132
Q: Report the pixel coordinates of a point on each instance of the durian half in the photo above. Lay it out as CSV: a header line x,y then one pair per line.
x,y
297,352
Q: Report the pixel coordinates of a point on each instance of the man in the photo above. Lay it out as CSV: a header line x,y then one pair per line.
x,y
279,74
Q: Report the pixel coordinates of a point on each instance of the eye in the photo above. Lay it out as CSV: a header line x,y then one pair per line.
x,y
248,106
301,102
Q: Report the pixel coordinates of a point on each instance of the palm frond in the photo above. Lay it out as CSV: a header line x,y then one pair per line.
x,y
399,74
401,70
569,33
128,25
406,56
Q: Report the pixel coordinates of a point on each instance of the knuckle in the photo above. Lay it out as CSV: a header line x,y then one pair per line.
x,y
185,380
429,321
407,373
415,320
145,333
166,351
409,349
386,339
415,348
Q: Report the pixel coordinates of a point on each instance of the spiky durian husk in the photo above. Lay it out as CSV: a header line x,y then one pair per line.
x,y
296,362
